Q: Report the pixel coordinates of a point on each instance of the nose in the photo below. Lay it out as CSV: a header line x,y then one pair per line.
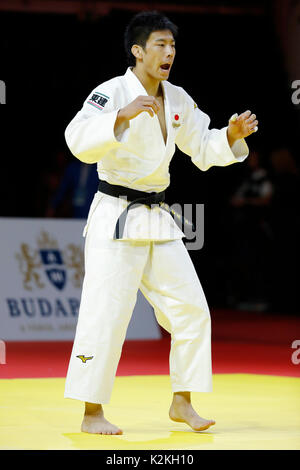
x,y
170,51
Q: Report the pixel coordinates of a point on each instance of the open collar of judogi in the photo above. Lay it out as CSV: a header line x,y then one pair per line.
x,y
136,88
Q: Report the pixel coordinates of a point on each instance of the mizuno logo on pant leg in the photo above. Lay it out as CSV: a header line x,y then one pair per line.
x,y
84,359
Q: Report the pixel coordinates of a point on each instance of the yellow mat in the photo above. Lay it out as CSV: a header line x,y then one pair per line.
x,y
251,412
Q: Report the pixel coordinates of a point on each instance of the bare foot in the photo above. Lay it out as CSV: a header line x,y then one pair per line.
x,y
181,411
95,423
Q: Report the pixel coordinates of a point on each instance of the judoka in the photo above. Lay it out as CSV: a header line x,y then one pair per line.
x,y
130,126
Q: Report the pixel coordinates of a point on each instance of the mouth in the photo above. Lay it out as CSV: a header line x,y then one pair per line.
x,y
165,67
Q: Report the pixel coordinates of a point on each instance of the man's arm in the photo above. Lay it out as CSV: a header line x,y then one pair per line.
x,y
98,128
212,147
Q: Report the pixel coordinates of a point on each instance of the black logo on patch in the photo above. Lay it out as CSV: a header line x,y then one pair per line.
x,y
98,100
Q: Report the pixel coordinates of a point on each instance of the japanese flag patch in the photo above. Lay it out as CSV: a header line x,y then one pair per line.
x,y
176,120
98,100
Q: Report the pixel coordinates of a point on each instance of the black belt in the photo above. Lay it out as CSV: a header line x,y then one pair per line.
x,y
137,198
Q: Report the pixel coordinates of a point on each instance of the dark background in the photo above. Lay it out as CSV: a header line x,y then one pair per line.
x,y
227,60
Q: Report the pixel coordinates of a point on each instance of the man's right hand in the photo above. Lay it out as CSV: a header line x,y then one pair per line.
x,y
141,104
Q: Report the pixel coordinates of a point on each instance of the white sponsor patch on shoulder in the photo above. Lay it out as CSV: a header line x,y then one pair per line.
x,y
98,100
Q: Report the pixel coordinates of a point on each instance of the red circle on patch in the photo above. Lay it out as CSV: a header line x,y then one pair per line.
x,y
176,117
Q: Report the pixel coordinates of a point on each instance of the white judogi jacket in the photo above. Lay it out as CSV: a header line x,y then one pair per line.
x,y
138,157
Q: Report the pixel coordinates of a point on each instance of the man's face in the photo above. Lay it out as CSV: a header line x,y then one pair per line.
x,y
159,54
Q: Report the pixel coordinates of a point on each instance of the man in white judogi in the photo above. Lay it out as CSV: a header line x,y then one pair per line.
x,y
130,125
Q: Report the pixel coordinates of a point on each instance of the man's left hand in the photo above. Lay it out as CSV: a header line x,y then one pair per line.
x,y
241,126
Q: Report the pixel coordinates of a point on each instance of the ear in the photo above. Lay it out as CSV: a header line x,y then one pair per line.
x,y
137,51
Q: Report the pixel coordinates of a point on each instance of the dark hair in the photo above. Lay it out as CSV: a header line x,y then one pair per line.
x,y
141,26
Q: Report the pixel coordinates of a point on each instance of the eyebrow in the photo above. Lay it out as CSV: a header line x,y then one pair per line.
x,y
164,40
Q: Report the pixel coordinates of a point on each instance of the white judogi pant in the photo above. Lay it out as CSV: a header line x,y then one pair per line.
x,y
165,274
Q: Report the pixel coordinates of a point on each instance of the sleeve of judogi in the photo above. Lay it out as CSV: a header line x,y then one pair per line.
x,y
90,134
207,147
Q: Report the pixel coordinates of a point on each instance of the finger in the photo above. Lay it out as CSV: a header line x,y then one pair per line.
x,y
156,103
251,118
149,110
252,124
234,117
253,128
153,105
244,115
151,100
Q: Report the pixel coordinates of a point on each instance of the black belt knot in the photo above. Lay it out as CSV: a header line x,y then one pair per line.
x,y
137,198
